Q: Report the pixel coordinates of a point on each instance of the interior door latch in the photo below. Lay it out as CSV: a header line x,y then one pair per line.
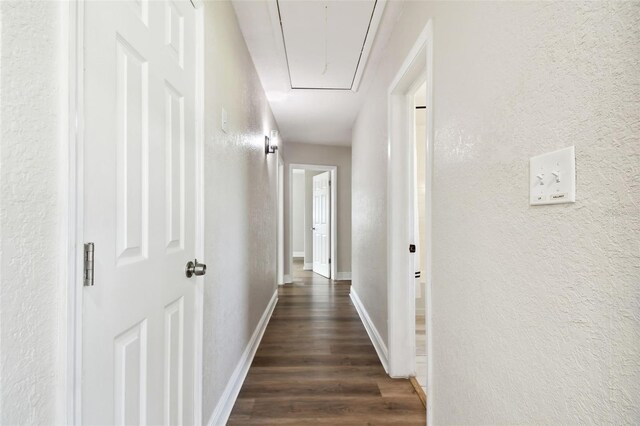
x,y
195,268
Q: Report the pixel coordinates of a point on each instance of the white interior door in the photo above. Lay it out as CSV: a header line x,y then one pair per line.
x,y
139,210
322,224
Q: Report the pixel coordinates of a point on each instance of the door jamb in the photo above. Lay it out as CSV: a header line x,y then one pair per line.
x,y
72,227
280,221
400,275
334,215
199,153
73,219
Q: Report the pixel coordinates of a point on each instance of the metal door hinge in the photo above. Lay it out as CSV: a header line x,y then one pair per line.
x,y
329,260
88,264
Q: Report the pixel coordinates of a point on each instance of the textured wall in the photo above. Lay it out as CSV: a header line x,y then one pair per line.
x,y
324,155
369,213
240,202
536,309
31,308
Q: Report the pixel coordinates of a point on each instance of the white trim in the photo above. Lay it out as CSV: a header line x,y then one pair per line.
x,y
280,224
226,402
198,329
298,254
372,331
334,211
308,266
287,279
73,216
343,276
417,67
368,43
428,37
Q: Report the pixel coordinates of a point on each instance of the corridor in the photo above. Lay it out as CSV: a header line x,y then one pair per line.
x,y
466,172
316,364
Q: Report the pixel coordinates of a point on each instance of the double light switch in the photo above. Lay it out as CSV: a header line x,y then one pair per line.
x,y
553,177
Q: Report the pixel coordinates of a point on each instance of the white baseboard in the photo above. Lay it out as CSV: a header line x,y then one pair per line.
x,y
287,279
343,276
375,337
298,254
223,409
308,266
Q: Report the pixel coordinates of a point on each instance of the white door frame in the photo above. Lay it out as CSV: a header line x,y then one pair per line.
x,y
334,215
401,216
73,216
280,225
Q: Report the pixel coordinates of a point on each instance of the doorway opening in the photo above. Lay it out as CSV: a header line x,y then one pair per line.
x,y
409,254
420,223
312,213
280,227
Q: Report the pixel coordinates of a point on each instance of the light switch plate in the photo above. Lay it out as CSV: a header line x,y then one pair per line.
x,y
224,121
552,177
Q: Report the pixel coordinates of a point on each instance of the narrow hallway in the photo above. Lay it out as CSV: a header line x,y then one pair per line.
x,y
466,172
316,364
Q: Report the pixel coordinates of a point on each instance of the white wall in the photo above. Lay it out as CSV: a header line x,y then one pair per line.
x,y
369,213
240,201
298,212
31,290
299,153
535,309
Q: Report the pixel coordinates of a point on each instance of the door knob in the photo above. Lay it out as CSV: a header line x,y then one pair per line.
x,y
195,268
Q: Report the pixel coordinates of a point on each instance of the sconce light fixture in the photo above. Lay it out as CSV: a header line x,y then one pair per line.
x,y
271,143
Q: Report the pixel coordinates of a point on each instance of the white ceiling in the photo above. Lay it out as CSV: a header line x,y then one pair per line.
x,y
324,41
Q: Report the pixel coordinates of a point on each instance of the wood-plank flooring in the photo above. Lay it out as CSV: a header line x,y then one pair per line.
x,y
316,365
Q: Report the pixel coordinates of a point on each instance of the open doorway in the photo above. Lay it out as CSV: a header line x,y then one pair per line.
x,y
420,226
312,217
410,170
280,227
299,222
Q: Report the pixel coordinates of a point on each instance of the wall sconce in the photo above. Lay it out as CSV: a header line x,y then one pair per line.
x,y
271,143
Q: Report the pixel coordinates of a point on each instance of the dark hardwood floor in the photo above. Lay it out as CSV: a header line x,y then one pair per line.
x,y
316,365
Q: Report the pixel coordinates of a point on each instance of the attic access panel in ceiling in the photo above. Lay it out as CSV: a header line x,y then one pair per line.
x,y
324,41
